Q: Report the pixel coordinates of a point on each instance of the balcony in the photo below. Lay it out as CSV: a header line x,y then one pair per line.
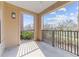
x,y
46,40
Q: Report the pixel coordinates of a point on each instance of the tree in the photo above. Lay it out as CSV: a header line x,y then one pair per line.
x,y
66,25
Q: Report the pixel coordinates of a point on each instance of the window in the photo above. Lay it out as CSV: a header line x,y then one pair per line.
x,y
28,22
28,27
65,18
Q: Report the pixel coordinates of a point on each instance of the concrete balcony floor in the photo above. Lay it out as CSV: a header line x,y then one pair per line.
x,y
35,49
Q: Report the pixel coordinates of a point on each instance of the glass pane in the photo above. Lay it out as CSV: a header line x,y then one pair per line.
x,y
28,22
65,18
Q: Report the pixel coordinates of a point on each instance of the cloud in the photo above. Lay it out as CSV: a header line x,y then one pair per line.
x,y
73,17
62,9
57,17
60,18
52,12
77,8
49,19
72,14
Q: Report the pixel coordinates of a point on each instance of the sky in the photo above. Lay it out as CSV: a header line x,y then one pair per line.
x,y
27,19
68,12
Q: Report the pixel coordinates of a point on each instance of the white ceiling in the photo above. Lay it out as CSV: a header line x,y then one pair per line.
x,y
34,6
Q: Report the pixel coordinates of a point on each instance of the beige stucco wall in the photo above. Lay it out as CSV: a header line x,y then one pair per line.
x,y
0,21
2,46
38,31
11,27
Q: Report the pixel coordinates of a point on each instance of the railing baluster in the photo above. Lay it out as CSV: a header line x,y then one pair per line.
x,y
71,41
60,39
68,40
65,40
74,44
56,38
77,43
53,38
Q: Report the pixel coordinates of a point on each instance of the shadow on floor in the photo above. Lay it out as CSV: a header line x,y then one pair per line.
x,y
14,51
35,49
50,51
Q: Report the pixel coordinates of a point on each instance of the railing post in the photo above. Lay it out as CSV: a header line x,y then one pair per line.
x,y
53,39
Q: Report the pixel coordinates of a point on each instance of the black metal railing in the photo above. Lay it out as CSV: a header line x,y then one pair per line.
x,y
67,40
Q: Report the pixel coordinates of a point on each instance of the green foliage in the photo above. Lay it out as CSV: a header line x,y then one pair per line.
x,y
26,35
